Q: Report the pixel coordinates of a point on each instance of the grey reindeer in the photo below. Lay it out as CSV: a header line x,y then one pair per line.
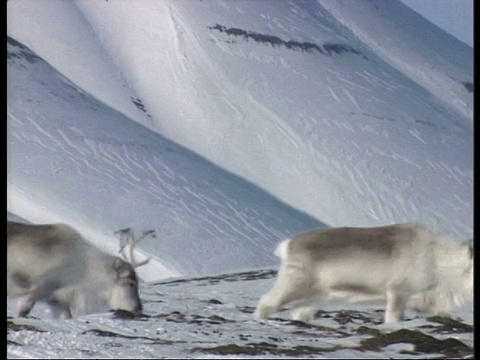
x,y
397,265
53,263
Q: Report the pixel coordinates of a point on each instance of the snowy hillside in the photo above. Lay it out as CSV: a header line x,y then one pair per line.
x,y
300,96
227,126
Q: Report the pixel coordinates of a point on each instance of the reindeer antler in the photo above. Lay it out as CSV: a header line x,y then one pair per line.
x,y
127,237
124,235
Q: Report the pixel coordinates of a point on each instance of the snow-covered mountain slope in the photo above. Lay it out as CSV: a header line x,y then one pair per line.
x,y
357,114
429,56
76,160
211,317
227,126
70,45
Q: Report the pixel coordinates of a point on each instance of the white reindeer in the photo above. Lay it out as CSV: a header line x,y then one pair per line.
x,y
396,264
55,264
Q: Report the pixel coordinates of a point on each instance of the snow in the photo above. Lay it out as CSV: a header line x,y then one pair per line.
x,y
227,126
212,316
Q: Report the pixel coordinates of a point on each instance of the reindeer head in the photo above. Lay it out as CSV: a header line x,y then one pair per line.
x,y
124,294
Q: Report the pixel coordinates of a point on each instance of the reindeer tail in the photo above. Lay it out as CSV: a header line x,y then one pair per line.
x,y
282,249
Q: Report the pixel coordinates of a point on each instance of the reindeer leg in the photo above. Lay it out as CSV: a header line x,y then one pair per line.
x,y
292,284
304,310
60,309
24,306
47,285
395,307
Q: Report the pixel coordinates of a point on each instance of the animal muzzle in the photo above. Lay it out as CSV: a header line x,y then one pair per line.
x,y
124,296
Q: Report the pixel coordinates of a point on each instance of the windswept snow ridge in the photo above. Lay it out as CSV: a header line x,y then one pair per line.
x,y
434,59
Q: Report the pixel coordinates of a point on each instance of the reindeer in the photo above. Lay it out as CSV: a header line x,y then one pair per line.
x,y
396,264
53,263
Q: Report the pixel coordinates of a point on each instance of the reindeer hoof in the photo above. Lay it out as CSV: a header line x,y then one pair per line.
x,y
23,312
